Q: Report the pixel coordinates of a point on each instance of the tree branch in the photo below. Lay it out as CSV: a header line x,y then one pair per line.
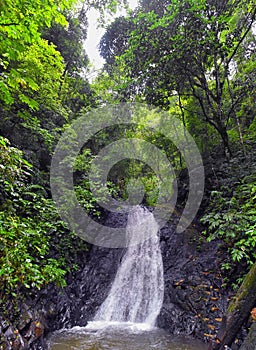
x,y
242,38
9,24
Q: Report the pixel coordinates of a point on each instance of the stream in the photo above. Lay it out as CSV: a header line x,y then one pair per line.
x,y
122,336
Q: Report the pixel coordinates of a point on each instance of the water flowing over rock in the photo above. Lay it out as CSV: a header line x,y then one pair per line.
x,y
194,299
137,292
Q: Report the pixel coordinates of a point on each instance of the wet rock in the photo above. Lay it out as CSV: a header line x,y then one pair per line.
x,y
193,301
250,341
9,333
25,319
17,343
5,345
4,325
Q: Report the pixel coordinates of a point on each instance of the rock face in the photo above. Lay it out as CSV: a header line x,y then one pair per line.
x,y
193,302
250,341
53,308
26,332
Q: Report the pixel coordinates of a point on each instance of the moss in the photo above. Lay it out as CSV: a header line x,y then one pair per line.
x,y
248,285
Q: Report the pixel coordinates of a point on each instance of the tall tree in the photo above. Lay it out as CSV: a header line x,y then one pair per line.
x,y
190,48
116,40
20,28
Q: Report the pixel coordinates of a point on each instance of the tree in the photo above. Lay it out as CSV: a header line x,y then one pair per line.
x,y
189,49
22,25
20,28
238,310
116,40
74,89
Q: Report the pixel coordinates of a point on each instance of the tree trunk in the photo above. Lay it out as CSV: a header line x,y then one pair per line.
x,y
238,310
224,136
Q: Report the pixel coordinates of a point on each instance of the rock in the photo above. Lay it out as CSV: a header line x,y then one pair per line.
x,y
250,341
193,300
5,345
39,329
25,319
4,325
253,314
9,333
16,344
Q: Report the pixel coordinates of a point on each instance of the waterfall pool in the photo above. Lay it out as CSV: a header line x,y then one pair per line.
x,y
126,319
120,336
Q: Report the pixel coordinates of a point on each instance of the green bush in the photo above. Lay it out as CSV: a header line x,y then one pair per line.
x,y
29,224
231,216
25,260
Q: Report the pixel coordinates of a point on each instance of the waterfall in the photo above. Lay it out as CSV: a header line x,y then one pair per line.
x,y
136,294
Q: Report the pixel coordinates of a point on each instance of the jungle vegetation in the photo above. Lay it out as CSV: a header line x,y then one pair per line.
x,y
194,59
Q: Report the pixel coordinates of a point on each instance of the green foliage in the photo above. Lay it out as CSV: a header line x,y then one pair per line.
x,y
41,69
106,7
231,216
13,170
37,96
20,27
25,260
30,255
185,49
31,68
146,181
43,64
83,167
195,59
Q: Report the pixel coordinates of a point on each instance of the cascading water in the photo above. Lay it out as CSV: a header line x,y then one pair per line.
x,y
126,318
137,292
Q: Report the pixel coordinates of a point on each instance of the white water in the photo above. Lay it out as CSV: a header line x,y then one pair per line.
x,y
136,295
126,318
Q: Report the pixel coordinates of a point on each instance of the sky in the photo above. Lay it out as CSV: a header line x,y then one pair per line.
x,y
94,35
